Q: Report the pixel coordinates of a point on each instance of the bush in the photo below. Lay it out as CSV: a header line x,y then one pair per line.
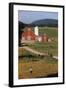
x,y
50,55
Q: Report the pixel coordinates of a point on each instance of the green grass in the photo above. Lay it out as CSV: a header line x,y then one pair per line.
x,y
51,48
26,56
49,31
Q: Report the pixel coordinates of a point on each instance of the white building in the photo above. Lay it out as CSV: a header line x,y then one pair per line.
x,y
36,30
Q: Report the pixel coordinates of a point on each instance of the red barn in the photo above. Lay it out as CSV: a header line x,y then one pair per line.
x,y
28,35
42,38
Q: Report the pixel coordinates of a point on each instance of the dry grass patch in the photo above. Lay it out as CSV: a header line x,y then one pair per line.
x,y
40,69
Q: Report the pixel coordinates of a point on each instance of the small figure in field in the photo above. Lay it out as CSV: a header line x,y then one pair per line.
x,y
30,70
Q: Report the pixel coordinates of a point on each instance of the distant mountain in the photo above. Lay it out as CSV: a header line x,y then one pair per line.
x,y
45,22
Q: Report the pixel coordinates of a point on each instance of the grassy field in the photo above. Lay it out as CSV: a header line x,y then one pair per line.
x,y
42,66
50,31
40,69
51,48
27,56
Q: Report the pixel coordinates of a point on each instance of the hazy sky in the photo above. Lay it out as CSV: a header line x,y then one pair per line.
x,y
30,16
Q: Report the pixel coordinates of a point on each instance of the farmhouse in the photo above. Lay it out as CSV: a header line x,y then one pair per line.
x,y
29,36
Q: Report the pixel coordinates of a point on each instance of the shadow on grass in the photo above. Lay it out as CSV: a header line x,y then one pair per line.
x,y
50,75
53,75
37,58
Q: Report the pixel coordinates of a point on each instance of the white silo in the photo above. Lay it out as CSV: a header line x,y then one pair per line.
x,y
36,31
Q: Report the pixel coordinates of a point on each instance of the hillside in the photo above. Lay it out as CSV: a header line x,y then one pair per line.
x,y
43,22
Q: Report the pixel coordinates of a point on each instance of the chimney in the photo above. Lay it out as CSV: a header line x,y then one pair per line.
x,y
36,31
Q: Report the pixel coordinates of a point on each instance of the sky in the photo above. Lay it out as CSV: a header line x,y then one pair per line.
x,y
30,16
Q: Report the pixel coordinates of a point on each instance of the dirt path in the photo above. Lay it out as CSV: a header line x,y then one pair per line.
x,y
37,52
33,51
55,57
